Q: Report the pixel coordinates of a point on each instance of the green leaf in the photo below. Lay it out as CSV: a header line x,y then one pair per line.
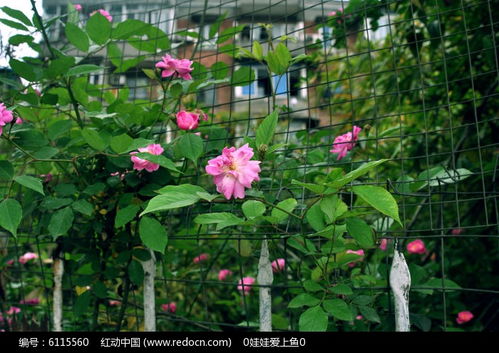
x,y
98,28
219,70
315,217
257,50
20,38
288,205
11,213
313,319
169,201
303,299
82,303
333,207
153,234
120,143
341,289
190,146
266,130
18,15
380,199
312,286
125,215
369,314
31,183
229,33
242,76
23,69
360,231
13,24
279,59
315,188
215,26
93,138
77,37
253,208
84,207
221,219
339,309
6,171
61,221
129,28
354,174
83,69
59,128
182,188
159,159
136,272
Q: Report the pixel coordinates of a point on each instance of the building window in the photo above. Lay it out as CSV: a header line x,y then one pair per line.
x,y
207,96
326,36
288,83
139,87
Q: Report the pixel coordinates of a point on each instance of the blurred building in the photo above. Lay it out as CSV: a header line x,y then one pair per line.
x,y
187,23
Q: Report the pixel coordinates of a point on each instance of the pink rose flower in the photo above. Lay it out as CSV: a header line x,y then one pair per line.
x,y
175,67
5,116
416,247
463,317
223,274
170,307
384,244
201,258
332,13
104,13
33,301
356,252
27,257
187,120
233,171
244,285
346,142
278,265
78,7
13,310
47,177
359,317
139,163
457,231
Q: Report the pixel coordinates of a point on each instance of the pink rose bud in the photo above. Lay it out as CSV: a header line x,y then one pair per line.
x,y
244,285
139,163
78,7
463,317
359,317
47,178
187,120
346,142
10,262
33,301
201,258
416,247
13,310
104,13
19,121
278,265
114,303
223,274
383,245
170,307
233,171
332,13
355,252
27,257
457,231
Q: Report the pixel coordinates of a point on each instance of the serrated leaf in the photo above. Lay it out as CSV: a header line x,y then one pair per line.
x,y
288,205
83,206
354,174
266,130
31,183
61,221
339,309
125,215
221,219
159,159
93,138
380,199
169,201
11,214
16,14
77,37
6,171
303,299
98,28
313,319
136,272
333,207
360,231
120,143
242,76
153,234
190,146
253,208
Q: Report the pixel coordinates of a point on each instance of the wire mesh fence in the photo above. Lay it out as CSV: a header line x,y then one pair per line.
x,y
419,78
